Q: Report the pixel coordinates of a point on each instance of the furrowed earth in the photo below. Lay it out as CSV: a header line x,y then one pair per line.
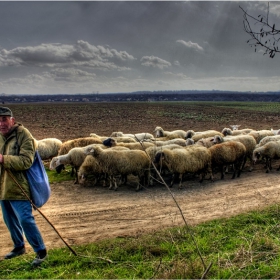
x,y
87,214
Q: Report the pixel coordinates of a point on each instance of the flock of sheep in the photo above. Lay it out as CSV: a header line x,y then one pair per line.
x,y
108,160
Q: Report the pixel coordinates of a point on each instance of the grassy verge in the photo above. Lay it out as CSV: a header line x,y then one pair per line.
x,y
242,247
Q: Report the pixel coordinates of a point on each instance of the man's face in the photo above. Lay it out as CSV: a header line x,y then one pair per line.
x,y
6,123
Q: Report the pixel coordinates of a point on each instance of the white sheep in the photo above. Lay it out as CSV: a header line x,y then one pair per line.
x,y
226,153
269,151
48,147
136,146
227,131
90,172
78,142
191,159
178,141
123,162
202,134
268,139
159,132
276,132
137,136
260,134
74,157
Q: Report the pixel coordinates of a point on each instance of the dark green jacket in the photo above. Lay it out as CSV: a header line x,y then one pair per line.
x,y
16,163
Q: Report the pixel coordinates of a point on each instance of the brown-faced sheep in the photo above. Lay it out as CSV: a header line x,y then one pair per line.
x,y
226,153
269,151
124,162
191,159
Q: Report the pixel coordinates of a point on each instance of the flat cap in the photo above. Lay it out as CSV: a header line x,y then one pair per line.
x,y
4,111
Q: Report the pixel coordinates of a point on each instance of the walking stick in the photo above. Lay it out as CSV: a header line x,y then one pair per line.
x,y
36,208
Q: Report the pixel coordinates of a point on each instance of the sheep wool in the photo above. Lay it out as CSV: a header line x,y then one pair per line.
x,y
48,147
191,159
123,162
225,153
269,151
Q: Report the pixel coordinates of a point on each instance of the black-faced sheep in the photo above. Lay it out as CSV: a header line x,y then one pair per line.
x,y
191,159
124,162
202,134
268,151
159,132
48,147
226,153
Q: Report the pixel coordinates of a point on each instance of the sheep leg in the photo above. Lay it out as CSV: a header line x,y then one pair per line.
x,y
76,176
222,172
172,181
115,183
180,181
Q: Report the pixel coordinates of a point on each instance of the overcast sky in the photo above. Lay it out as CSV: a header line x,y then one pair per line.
x,y
123,46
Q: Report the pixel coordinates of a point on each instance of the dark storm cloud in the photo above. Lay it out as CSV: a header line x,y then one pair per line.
x,y
75,46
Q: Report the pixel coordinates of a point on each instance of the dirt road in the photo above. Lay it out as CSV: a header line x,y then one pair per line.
x,y
83,215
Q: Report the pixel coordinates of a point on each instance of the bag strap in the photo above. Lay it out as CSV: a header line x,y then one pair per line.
x,y
17,145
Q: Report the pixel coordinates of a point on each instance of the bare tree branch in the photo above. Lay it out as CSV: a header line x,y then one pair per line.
x,y
263,34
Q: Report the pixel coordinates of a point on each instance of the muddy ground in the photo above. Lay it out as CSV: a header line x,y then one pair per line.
x,y
83,215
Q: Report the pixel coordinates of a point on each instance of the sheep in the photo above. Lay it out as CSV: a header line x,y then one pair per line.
x,y
102,138
202,134
268,139
48,147
136,146
225,153
159,132
204,142
137,136
247,140
78,142
115,162
276,132
260,134
191,159
118,139
227,131
74,157
178,141
90,172
269,151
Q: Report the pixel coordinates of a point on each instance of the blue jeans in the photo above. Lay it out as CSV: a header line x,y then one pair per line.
x,y
18,217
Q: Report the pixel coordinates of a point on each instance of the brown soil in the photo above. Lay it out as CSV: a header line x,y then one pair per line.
x,y
83,215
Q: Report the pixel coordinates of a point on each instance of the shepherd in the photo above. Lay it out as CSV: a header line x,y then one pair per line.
x,y
17,151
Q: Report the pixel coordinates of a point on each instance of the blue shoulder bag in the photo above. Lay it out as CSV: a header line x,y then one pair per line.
x,y
37,179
